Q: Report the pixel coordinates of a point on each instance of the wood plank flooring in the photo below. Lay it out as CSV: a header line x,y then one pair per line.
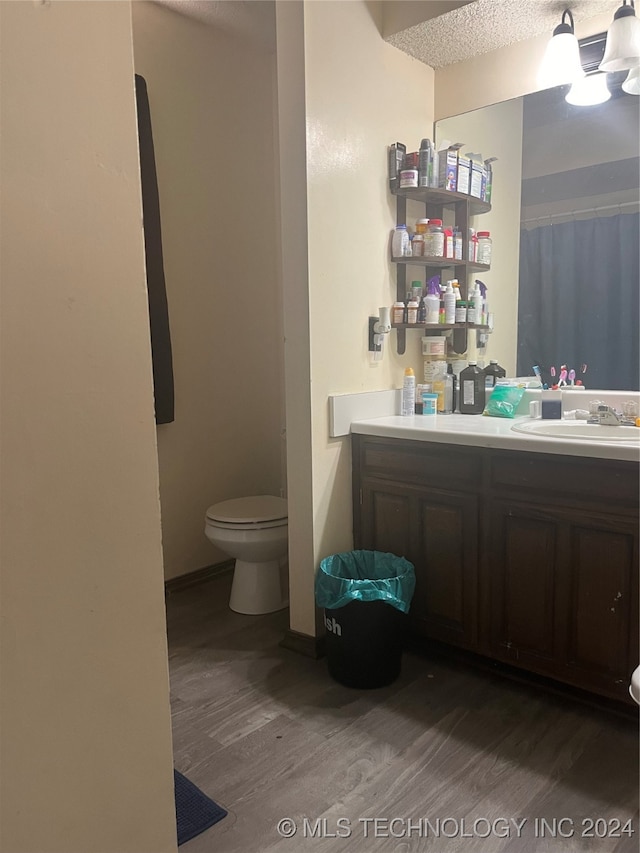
x,y
269,735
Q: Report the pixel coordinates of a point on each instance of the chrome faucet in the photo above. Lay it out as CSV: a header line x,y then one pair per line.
x,y
606,415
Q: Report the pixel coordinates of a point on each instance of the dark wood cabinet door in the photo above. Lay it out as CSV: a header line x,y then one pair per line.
x,y
523,562
385,519
564,594
601,640
445,601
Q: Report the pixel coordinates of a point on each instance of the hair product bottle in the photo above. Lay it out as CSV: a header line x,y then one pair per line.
x,y
408,393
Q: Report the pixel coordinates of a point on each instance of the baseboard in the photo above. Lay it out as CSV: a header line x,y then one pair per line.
x,y
198,576
311,647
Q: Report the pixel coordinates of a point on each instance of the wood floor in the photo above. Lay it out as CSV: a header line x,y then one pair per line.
x,y
267,734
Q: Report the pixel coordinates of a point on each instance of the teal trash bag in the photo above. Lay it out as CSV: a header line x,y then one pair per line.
x,y
365,576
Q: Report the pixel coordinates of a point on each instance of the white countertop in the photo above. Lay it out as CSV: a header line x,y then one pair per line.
x,y
483,431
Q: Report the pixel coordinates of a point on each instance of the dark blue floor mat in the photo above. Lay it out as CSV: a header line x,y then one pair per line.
x,y
195,812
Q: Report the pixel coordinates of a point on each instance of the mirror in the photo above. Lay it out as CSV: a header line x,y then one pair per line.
x,y
564,222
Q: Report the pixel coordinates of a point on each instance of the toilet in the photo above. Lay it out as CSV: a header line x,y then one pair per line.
x,y
254,530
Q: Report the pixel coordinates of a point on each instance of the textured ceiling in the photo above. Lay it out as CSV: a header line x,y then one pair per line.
x,y
252,19
469,30
486,25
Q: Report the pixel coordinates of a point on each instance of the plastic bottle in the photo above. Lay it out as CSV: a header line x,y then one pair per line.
x,y
484,247
408,393
400,243
432,299
449,305
397,313
474,310
443,386
422,311
457,244
461,311
493,372
434,244
412,311
422,226
473,246
417,245
472,391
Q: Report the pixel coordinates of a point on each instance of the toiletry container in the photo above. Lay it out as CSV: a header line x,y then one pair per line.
x,y
408,393
397,313
493,372
412,311
434,244
449,305
400,243
484,247
432,301
472,391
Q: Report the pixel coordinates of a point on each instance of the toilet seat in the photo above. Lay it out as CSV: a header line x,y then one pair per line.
x,y
258,512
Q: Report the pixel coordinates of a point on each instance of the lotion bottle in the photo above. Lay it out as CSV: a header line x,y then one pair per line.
x,y
449,305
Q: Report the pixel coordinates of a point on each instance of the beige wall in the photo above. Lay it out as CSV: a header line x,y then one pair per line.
x,y
352,115
85,726
496,131
211,97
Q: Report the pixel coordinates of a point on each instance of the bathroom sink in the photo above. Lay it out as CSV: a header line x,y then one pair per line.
x,y
579,429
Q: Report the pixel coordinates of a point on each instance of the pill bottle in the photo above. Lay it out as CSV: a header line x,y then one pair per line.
x,y
400,243
484,247
397,313
435,239
417,245
461,311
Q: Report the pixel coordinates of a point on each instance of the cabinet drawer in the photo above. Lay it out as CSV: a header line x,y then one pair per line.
x,y
440,464
572,480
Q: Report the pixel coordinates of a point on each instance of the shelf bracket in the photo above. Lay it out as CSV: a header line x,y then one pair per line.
x,y
401,342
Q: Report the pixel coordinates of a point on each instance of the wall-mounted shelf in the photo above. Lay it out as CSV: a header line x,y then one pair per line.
x,y
459,329
427,195
435,201
441,263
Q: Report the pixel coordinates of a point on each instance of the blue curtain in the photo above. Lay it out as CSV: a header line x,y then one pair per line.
x,y
578,300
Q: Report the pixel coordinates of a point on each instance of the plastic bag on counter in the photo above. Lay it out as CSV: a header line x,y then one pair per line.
x,y
504,401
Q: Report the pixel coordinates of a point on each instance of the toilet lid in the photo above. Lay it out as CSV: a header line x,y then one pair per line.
x,y
249,510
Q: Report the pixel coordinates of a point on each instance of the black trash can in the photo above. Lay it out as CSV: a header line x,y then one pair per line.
x,y
366,596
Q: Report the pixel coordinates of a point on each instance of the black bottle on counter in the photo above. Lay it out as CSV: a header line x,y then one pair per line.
x,y
471,397
492,373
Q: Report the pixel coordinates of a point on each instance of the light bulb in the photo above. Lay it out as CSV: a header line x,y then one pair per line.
x,y
590,90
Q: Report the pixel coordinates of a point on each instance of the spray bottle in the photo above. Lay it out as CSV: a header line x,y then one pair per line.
x,y
432,299
482,310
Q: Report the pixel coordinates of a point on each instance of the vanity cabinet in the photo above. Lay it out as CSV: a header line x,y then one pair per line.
x,y
525,558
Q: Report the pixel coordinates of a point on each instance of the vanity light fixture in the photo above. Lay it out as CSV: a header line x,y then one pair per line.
x,y
631,84
561,61
622,51
589,91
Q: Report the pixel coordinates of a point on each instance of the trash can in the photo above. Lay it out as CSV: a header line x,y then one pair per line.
x,y
366,596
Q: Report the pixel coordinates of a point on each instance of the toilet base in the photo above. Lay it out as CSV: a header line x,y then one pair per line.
x,y
256,588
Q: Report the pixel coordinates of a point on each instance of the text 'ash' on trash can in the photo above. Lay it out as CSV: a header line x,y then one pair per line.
x,y
366,596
